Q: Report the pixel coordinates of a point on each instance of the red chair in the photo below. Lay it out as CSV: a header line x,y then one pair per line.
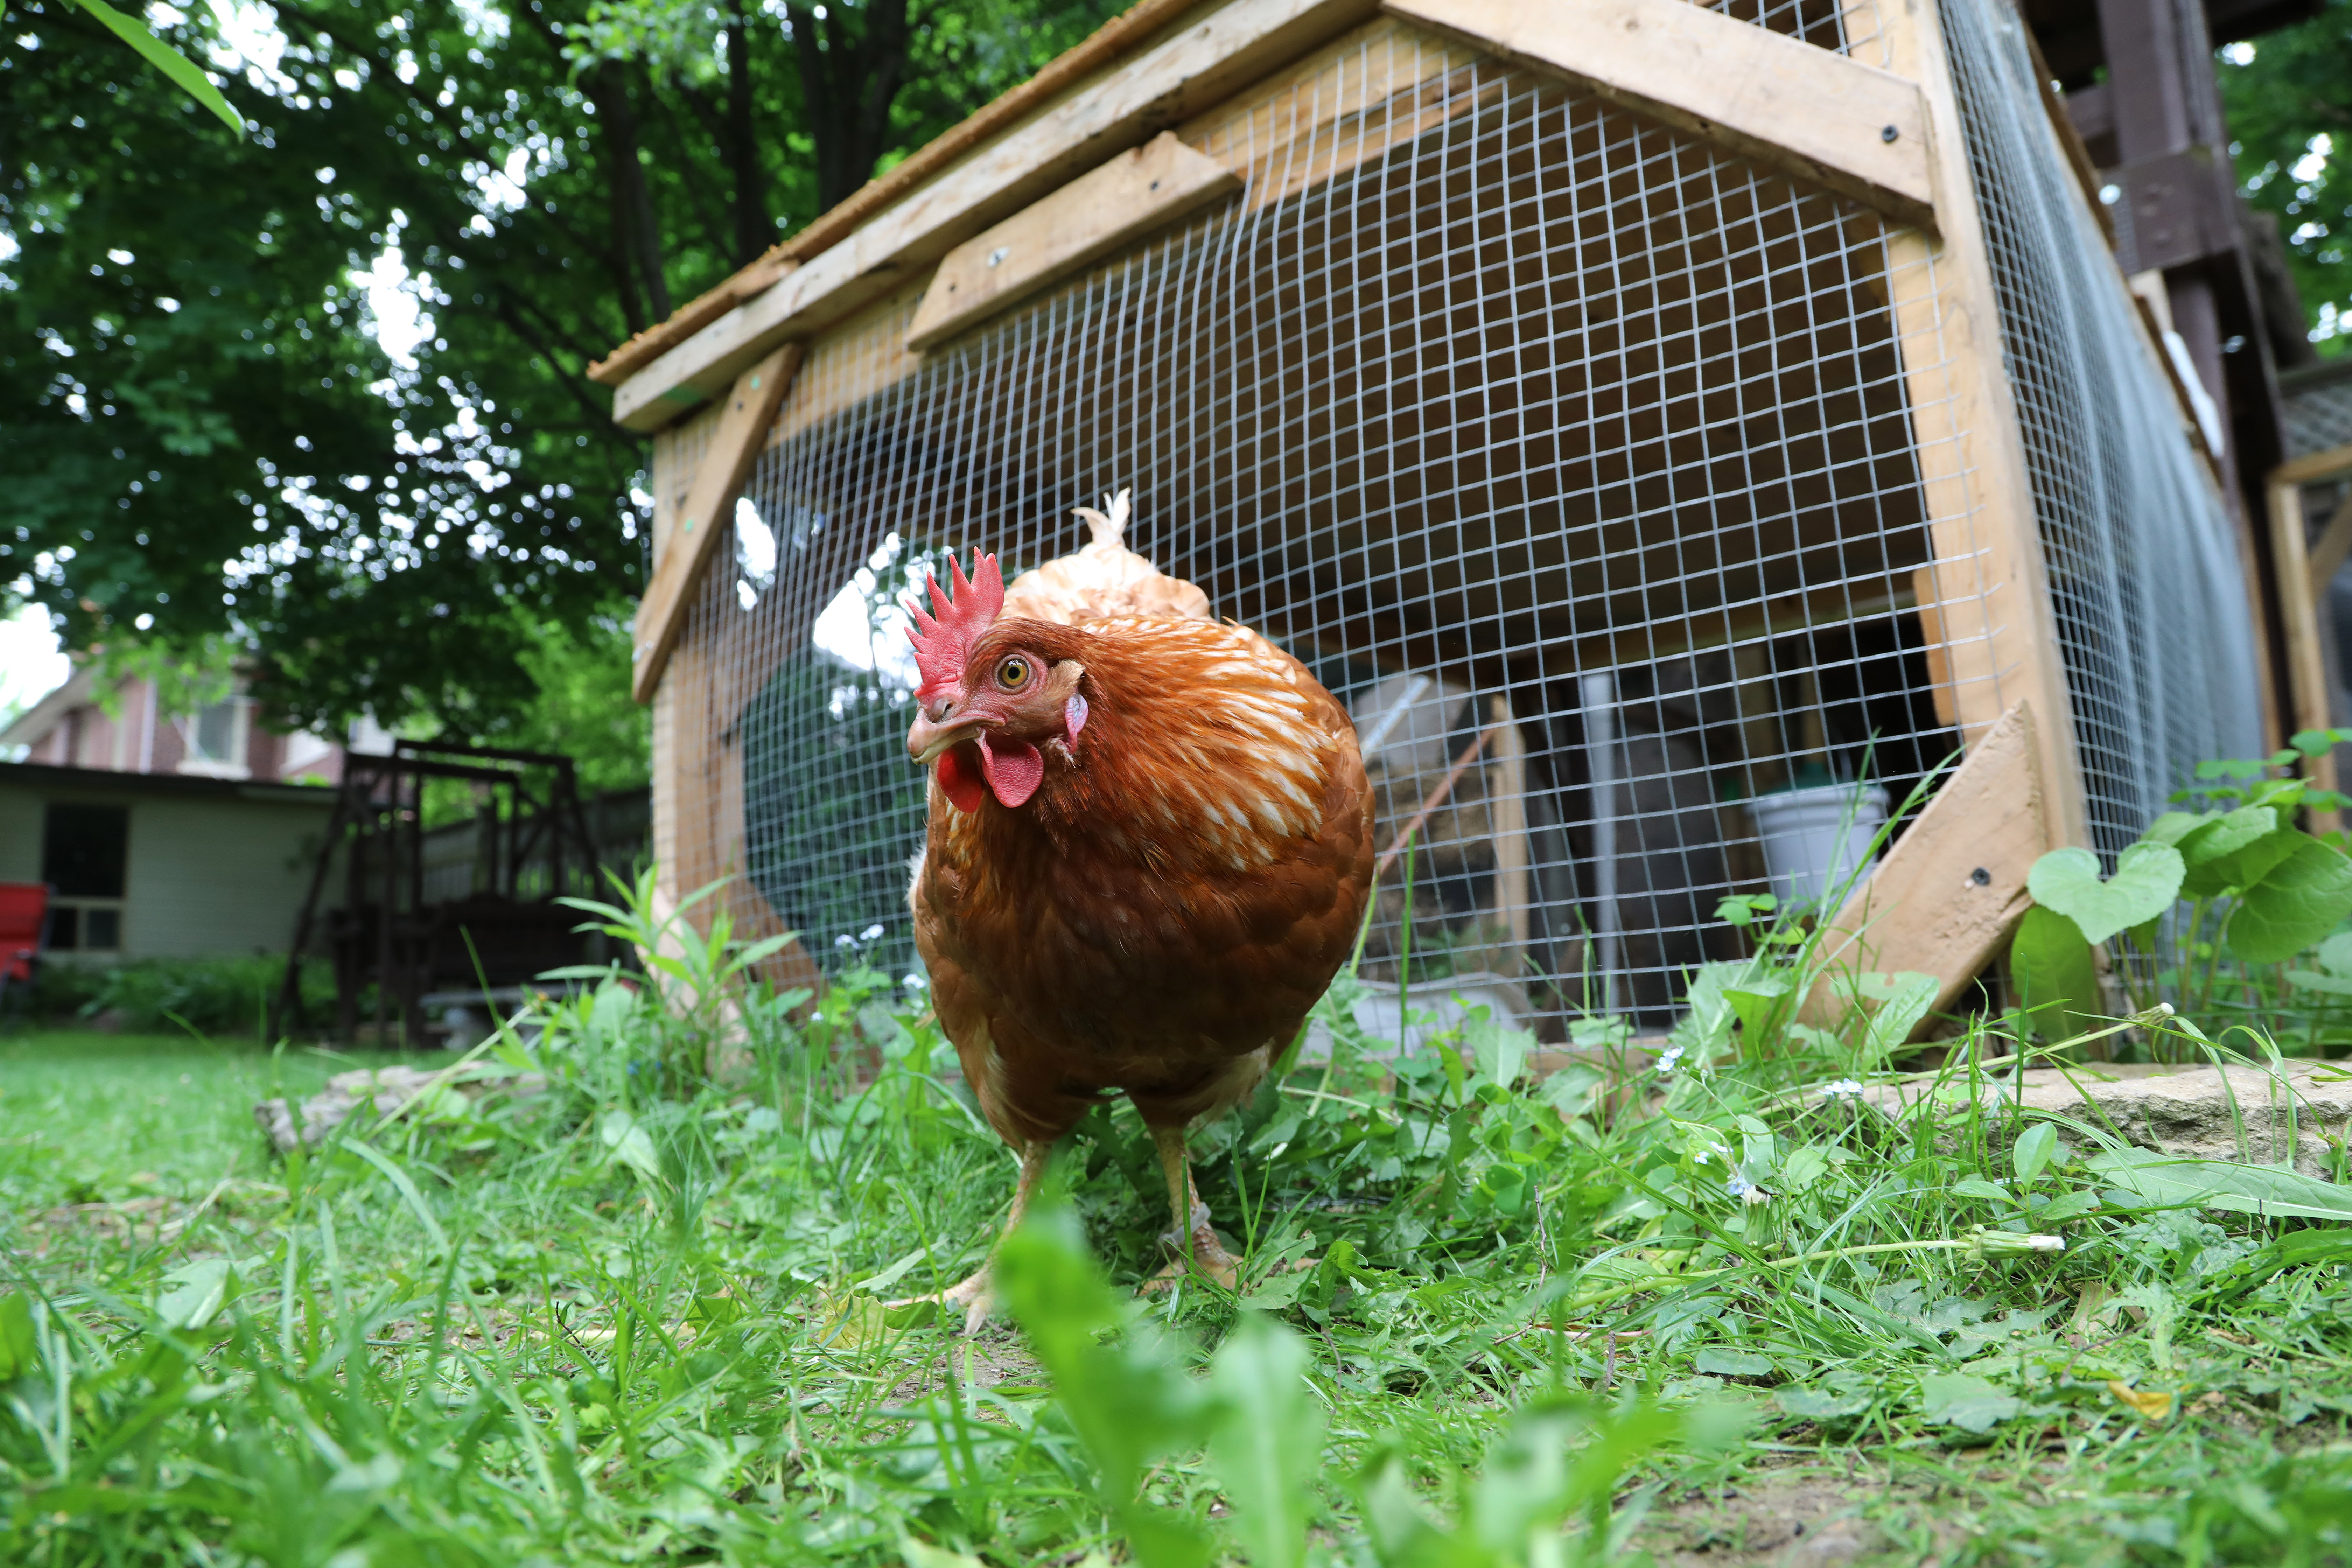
x,y
23,930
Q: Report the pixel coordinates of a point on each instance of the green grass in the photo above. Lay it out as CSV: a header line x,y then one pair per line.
x,y
620,1320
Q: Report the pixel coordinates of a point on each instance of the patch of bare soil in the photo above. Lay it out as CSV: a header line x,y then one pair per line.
x,y
993,1356
1808,1518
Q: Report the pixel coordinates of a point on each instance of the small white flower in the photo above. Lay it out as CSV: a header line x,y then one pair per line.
x,y
869,933
1666,1062
1699,1157
845,939
1844,1089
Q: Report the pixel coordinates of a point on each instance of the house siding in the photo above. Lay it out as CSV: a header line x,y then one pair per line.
x,y
209,875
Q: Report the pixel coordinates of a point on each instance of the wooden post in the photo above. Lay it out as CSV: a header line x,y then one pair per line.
x,y
1507,816
2306,661
1988,590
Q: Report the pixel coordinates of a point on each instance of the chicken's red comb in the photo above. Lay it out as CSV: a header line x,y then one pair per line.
x,y
944,636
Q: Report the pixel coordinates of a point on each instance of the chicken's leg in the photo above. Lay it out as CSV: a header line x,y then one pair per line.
x,y
1190,1234
977,1295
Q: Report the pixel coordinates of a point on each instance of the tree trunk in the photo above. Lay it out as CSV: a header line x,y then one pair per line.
x,y
754,229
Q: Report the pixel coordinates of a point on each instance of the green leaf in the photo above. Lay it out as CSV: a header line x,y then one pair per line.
x,y
20,1346
165,59
1801,1167
2175,825
2057,980
1819,1403
1722,1361
2301,898
2336,954
1501,1052
1757,1003
1970,1403
1124,1397
2161,1181
1978,1187
1903,1000
2147,881
2032,1150
2313,980
2238,849
198,1290
1267,1449
631,1145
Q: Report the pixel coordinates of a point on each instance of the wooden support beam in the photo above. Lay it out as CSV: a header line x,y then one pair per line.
x,y
1092,216
2306,658
2328,550
2333,463
1951,889
1201,65
1778,102
1986,596
702,522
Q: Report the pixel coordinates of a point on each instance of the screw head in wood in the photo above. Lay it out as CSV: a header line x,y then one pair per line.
x,y
1889,133
1980,877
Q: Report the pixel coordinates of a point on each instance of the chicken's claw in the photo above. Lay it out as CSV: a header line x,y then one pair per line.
x,y
1202,1254
976,1296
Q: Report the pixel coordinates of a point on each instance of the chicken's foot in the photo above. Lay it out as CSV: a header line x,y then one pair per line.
x,y
1190,1238
977,1295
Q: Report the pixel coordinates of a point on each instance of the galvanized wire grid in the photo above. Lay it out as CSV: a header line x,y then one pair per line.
x,y
1550,439
2151,596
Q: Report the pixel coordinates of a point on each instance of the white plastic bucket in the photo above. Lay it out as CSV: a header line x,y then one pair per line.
x,y
1816,839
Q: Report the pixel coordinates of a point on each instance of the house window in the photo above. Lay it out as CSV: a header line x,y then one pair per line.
x,y
216,736
85,859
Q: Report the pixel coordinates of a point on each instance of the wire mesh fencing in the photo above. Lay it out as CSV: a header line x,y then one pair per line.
x,y
1576,456
2146,575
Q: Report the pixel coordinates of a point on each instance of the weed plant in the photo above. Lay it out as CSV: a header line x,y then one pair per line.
x,y
623,1302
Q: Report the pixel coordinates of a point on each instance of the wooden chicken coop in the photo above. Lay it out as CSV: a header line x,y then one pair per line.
x,y
1641,414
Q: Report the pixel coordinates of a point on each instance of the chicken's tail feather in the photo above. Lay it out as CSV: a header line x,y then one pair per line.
x,y
1110,525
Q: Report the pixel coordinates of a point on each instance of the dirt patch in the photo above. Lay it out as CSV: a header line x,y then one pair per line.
x,y
1789,1519
995,1355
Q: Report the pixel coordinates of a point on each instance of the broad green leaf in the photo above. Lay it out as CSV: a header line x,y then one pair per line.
x,y
1819,1403
1267,1447
2336,954
1903,1000
1969,1403
2056,979
1125,1396
165,59
2161,1181
1720,1360
197,1291
2313,980
2175,825
2302,898
2237,851
1978,1187
20,1347
631,1144
1801,1167
1501,1052
2032,1150
2147,881
1757,1002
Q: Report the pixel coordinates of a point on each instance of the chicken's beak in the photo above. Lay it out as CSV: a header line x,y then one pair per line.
x,y
926,740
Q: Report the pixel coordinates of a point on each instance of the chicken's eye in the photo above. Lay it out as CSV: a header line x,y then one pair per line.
x,y
1012,674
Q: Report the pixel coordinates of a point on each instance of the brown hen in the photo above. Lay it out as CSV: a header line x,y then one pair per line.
x,y
1150,848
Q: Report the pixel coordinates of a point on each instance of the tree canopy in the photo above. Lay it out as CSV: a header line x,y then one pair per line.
x,y
2288,97
320,388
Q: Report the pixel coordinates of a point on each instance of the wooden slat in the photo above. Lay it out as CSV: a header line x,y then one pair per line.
x,y
1788,105
1989,578
1124,32
2328,550
2306,654
701,522
1099,212
1201,64
2333,463
1951,889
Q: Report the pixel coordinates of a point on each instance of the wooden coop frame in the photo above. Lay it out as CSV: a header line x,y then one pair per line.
x,y
1106,148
